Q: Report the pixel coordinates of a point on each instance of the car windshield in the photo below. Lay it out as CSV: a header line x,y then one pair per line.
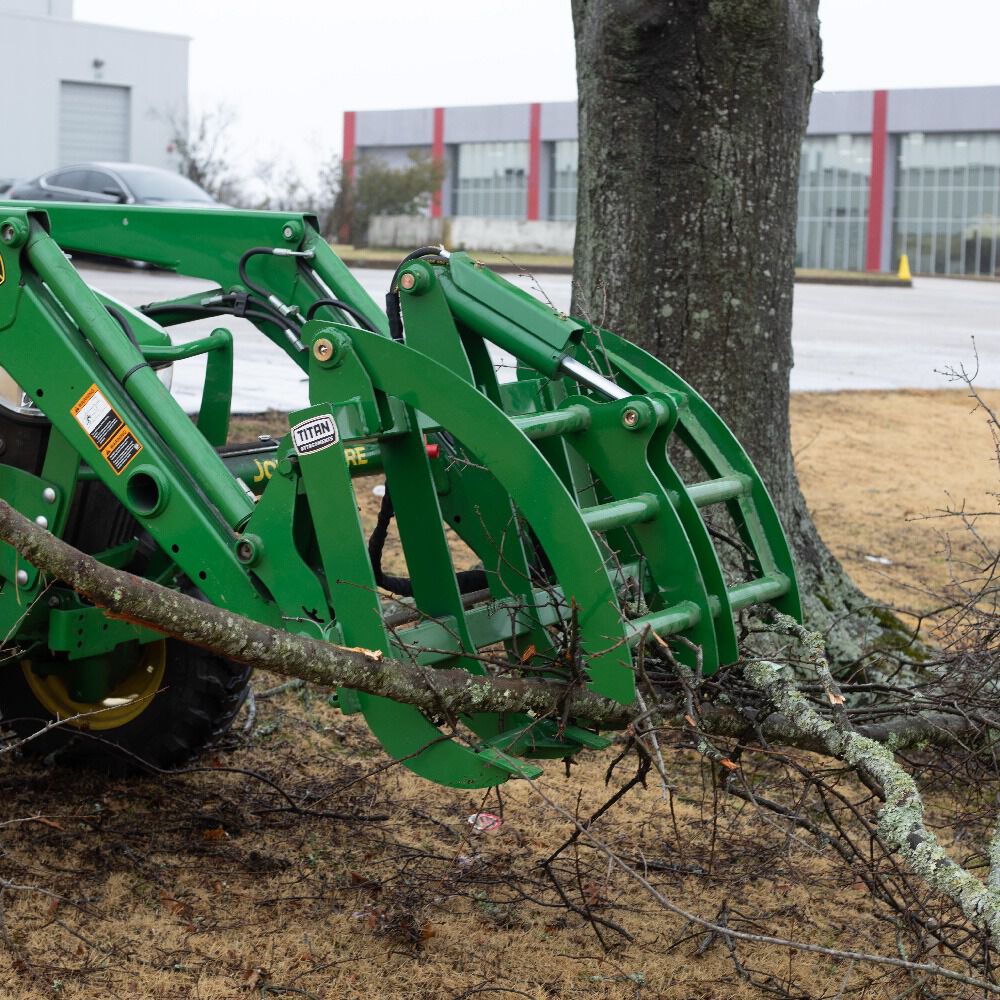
x,y
161,185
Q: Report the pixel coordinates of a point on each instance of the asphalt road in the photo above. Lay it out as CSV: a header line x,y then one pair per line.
x,y
844,337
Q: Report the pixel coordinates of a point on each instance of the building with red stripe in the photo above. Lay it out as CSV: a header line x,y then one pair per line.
x,y
883,173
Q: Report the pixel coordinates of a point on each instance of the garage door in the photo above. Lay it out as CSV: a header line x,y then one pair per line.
x,y
94,122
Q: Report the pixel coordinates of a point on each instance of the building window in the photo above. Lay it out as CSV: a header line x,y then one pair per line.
x,y
948,202
491,179
833,202
562,192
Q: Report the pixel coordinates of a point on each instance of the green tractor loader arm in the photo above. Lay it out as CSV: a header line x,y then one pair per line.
x,y
559,480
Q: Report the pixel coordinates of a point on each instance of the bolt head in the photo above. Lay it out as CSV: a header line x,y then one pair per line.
x,y
7,233
288,232
408,281
322,349
49,495
630,418
42,521
22,576
244,551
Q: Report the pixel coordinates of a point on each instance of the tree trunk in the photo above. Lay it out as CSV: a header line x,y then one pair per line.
x,y
692,114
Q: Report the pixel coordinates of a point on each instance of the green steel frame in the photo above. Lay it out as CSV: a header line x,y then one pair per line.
x,y
560,482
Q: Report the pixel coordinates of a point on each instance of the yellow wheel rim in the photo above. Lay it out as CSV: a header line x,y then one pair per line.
x,y
127,701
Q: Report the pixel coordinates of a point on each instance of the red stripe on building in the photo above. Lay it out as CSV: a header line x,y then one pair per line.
x,y
350,142
876,190
347,161
534,160
437,152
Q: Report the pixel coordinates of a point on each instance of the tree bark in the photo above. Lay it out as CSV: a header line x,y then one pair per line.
x,y
692,114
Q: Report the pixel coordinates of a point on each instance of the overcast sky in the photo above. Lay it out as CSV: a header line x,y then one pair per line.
x,y
290,69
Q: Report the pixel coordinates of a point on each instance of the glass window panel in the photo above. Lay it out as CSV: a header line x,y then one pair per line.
x,y
833,186
946,195
563,179
492,179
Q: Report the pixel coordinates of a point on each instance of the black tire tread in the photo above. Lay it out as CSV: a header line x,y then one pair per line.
x,y
202,694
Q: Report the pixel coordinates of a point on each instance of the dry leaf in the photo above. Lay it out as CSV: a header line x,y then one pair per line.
x,y
254,978
47,822
529,653
593,895
690,721
729,765
172,904
426,931
216,833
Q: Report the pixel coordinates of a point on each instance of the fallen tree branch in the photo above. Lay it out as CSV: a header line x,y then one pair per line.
x,y
136,599
901,819
123,595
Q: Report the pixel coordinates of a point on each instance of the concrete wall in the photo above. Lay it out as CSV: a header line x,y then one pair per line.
x,y
41,51
939,109
405,231
946,109
840,112
468,232
414,127
40,8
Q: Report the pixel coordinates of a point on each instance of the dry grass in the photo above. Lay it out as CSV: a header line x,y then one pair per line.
x,y
198,885
879,470
208,885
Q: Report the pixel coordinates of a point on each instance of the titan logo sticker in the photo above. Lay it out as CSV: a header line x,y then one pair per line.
x,y
315,434
3,271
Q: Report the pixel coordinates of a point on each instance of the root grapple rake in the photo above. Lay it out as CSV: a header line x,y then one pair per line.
x,y
557,476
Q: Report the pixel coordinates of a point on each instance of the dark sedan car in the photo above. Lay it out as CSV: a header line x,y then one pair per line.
x,y
112,184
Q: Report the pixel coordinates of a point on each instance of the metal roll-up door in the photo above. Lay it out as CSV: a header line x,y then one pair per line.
x,y
94,122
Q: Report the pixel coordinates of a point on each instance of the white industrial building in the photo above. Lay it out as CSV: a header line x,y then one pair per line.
x,y
83,91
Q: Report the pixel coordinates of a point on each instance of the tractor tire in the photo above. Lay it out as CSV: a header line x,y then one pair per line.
x,y
196,701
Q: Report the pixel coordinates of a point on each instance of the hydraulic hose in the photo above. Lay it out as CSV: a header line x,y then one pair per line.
x,y
469,580
344,308
392,310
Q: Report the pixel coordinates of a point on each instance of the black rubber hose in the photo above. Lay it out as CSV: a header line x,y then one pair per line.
x,y
242,268
343,307
120,319
469,580
263,311
259,289
392,310
376,543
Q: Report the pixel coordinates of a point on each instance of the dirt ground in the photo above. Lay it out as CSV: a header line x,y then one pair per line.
x,y
882,470
295,860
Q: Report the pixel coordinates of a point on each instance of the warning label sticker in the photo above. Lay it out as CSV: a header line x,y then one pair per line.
x,y
122,449
315,434
106,429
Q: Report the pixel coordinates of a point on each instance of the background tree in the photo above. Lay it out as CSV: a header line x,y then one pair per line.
x,y
692,114
201,143
369,186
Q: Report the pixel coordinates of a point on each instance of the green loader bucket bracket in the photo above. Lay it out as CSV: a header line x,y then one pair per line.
x,y
558,487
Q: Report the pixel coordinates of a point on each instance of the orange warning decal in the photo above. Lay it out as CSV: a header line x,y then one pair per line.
x,y
106,429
